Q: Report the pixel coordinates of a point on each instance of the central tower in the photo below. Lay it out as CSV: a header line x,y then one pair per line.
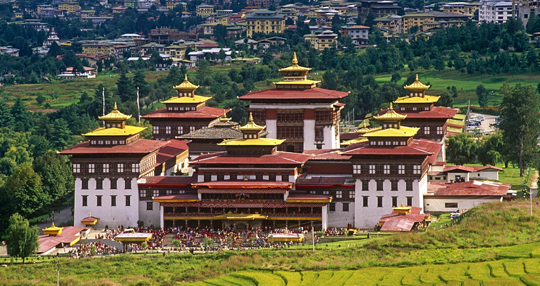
x,y
297,110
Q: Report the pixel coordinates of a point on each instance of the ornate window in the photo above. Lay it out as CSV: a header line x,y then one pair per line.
x,y
155,129
120,168
416,169
167,129
91,168
372,169
142,193
379,201
339,194
365,200
386,170
105,168
357,169
439,130
76,168
401,169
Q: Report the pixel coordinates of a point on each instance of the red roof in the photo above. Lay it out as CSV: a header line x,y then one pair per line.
x,y
164,181
471,168
363,148
357,27
325,182
205,112
326,154
244,184
307,197
174,148
288,94
402,223
68,235
178,197
436,112
208,45
89,219
348,136
431,146
140,146
471,188
277,158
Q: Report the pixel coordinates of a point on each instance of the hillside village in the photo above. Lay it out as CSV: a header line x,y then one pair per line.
x,y
327,24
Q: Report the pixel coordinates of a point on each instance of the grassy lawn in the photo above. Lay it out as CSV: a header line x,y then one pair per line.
x,y
492,244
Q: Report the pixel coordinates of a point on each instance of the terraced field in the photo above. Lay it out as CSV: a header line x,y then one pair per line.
x,y
524,271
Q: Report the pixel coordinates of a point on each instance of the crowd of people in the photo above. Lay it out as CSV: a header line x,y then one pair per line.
x,y
198,239
95,248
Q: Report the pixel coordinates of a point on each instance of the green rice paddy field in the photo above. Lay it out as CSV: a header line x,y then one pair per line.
x,y
501,272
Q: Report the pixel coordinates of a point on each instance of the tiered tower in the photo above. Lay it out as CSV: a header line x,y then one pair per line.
x,y
106,169
306,116
183,114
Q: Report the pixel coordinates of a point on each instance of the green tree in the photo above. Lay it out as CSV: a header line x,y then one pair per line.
x,y
61,135
56,176
19,155
140,82
519,122
204,73
5,115
445,99
7,210
491,149
370,19
482,94
395,77
438,63
21,238
329,80
125,88
461,149
21,117
25,187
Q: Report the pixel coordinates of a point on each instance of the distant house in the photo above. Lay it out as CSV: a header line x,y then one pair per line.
x,y
448,198
70,73
455,174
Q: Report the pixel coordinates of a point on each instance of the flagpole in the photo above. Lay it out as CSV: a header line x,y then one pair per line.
x,y
103,94
138,105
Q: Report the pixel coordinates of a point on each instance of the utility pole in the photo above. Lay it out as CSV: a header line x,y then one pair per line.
x,y
313,237
58,272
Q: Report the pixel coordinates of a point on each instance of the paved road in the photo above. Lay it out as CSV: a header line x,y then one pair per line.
x,y
61,216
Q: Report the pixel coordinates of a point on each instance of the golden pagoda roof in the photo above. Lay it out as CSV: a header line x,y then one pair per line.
x,y
401,209
53,230
186,85
298,82
115,115
251,125
295,66
416,85
363,129
417,99
126,131
393,132
224,118
187,99
241,217
390,115
353,141
252,142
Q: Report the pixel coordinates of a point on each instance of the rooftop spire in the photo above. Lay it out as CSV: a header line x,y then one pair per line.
x,y
251,125
294,59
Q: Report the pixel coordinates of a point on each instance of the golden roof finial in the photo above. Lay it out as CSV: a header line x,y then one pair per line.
x,y
251,125
89,214
52,224
391,108
416,85
294,59
186,85
115,115
223,117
